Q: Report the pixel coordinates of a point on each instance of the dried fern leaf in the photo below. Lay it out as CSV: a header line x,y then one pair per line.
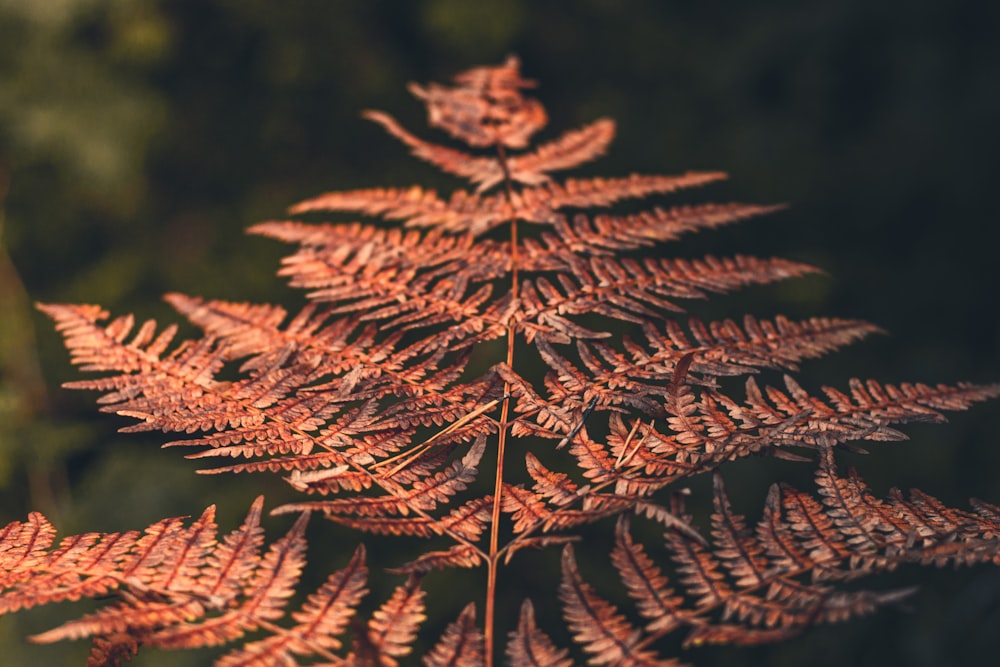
x,y
530,647
635,291
647,585
598,626
379,399
112,651
865,413
485,107
483,171
607,234
461,644
393,626
323,617
572,149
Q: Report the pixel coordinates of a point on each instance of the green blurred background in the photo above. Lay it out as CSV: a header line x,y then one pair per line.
x,y
138,139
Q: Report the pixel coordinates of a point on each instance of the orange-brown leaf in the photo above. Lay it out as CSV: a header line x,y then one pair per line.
x,y
461,645
530,647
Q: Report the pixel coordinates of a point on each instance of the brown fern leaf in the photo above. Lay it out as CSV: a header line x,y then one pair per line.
x,y
555,487
324,617
569,150
335,254
442,347
425,494
393,626
530,647
112,651
417,206
276,411
725,348
475,214
25,546
484,171
460,555
177,587
587,193
722,348
647,585
522,542
740,553
526,508
865,413
881,533
602,631
461,645
607,234
465,523
634,292
263,591
765,579
486,107
737,593
787,604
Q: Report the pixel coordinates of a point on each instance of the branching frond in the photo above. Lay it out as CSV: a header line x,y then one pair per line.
x,y
175,586
752,586
436,346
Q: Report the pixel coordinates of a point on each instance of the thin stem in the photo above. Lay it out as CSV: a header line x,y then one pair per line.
x,y
494,554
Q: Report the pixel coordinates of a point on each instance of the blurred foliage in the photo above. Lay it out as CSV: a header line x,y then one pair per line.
x,y
139,137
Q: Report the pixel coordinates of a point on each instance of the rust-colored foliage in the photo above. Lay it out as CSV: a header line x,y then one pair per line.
x,y
366,403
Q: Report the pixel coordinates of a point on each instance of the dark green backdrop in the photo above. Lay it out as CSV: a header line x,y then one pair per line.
x,y
137,140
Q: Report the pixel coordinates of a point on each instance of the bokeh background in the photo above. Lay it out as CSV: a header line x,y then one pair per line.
x,y
138,139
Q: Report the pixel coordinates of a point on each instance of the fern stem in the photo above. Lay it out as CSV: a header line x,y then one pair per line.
x,y
494,556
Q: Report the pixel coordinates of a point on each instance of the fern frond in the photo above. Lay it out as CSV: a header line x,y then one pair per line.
x,y
725,348
425,494
572,149
864,414
418,207
765,585
490,94
483,171
525,507
427,345
597,625
461,644
634,291
530,647
179,587
607,234
555,487
393,626
475,213
460,555
647,585
112,651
